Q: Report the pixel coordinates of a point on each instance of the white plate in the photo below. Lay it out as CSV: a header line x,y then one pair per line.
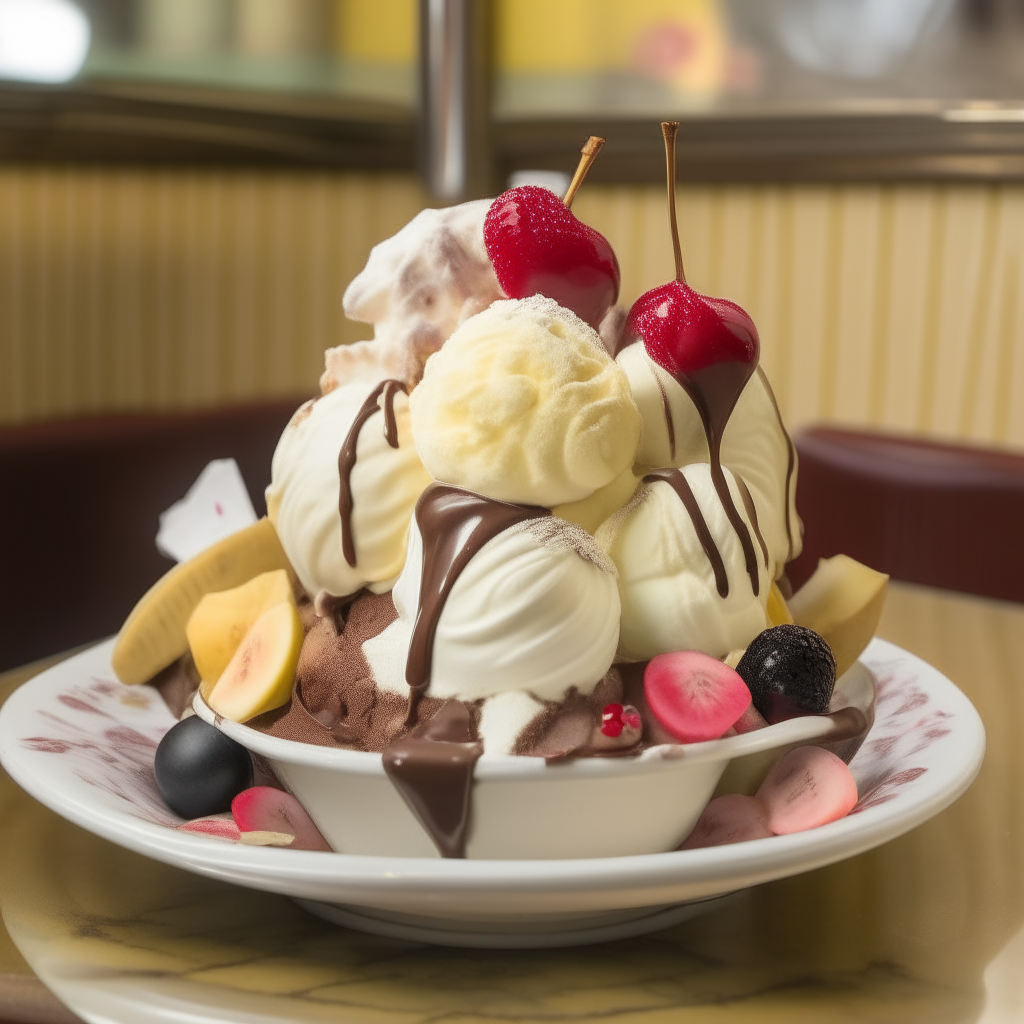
x,y
83,744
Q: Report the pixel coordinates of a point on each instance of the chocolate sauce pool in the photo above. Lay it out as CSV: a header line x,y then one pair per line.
x,y
347,455
432,769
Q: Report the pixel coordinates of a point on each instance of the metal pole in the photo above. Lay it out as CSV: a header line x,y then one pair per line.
x,y
455,78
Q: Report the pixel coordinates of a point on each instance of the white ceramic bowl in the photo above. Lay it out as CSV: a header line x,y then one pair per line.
x,y
524,808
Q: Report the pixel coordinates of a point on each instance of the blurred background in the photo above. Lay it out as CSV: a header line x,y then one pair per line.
x,y
186,186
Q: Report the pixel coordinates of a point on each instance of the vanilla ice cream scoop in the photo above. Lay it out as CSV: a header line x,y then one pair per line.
x,y
755,444
533,614
416,288
671,579
524,404
305,497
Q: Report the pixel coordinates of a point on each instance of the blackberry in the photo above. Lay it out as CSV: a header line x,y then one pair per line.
x,y
790,671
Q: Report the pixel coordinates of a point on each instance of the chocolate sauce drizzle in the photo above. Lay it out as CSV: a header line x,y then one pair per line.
x,y
454,525
432,766
347,455
678,482
791,465
714,390
432,769
748,504
327,605
669,422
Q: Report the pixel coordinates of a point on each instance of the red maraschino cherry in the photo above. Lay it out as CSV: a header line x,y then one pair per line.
x,y
710,346
538,246
685,332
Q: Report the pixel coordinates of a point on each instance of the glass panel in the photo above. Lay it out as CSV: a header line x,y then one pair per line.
x,y
650,58
363,49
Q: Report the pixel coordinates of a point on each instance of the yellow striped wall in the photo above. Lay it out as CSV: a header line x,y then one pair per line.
x,y
891,306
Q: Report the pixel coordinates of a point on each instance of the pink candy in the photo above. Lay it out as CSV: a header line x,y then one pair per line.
x,y
807,787
263,809
750,720
222,826
729,819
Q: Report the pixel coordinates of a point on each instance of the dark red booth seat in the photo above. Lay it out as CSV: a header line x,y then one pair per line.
x,y
79,501
948,516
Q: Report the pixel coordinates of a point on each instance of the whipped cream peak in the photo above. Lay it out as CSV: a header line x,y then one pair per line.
x,y
754,444
416,288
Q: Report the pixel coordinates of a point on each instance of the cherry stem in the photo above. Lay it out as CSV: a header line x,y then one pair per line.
x,y
669,129
589,154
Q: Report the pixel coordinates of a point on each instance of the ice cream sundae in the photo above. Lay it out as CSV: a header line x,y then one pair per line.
x,y
517,522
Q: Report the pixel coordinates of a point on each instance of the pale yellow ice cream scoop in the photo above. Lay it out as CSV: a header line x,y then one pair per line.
x,y
524,404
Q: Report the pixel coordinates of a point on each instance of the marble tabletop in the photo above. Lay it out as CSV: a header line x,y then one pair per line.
x,y
929,927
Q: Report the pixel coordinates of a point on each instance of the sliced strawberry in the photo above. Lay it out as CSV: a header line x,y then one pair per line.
x,y
693,696
807,787
263,809
729,819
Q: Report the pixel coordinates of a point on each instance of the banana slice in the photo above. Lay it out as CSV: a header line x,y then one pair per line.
x,y
153,635
777,610
260,674
221,620
843,602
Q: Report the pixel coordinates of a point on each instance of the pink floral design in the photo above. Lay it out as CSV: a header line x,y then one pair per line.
x,y
87,725
906,723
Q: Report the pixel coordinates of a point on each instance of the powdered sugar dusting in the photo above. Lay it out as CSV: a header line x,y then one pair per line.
x,y
548,314
560,535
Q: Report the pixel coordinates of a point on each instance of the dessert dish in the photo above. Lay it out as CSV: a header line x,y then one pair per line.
x,y
522,525
83,745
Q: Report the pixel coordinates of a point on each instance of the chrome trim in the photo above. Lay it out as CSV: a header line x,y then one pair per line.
x,y
115,122
455,72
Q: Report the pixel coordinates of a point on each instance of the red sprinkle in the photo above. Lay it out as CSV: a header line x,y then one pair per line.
x,y
611,720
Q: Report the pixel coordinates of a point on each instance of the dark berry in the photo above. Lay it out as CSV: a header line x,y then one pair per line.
x,y
199,770
790,671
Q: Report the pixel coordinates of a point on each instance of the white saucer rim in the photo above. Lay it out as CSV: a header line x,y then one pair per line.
x,y
300,872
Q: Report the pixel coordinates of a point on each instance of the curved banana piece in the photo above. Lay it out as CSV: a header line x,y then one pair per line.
x,y
842,601
153,635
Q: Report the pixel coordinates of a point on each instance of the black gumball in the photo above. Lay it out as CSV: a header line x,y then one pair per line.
x,y
790,670
199,770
